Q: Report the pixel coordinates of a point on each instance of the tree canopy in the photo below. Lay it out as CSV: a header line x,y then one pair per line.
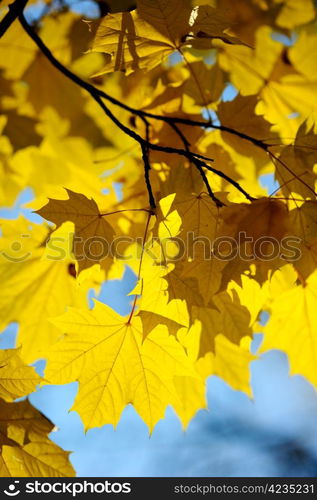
x,y
146,131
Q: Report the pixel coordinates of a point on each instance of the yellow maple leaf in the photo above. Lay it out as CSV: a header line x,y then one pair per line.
x,y
225,315
93,234
293,14
251,295
258,229
237,164
239,115
229,361
36,283
17,51
292,328
246,16
105,352
145,37
232,363
236,318
207,262
267,71
16,378
10,181
303,224
295,168
26,451
201,221
191,398
303,54
158,304
280,99
55,164
250,68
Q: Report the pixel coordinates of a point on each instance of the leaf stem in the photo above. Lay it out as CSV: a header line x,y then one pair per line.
x,y
127,210
140,265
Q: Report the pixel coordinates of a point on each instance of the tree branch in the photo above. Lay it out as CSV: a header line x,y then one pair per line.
x,y
199,165
147,165
196,163
15,9
145,143
92,91
228,179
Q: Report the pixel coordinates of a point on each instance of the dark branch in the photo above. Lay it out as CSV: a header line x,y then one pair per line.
x,y
197,163
228,179
201,164
15,9
147,168
180,134
138,112
145,143
147,165
95,93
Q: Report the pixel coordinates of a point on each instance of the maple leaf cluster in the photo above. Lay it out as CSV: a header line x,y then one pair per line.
x,y
123,129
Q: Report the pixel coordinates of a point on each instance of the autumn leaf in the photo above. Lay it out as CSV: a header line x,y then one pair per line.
x,y
303,222
26,450
105,353
16,378
200,228
93,234
292,328
292,14
258,229
229,361
295,167
157,303
240,115
232,363
225,316
267,72
47,275
247,16
250,68
145,37
16,52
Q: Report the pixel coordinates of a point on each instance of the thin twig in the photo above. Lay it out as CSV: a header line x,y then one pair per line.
x,y
140,266
197,163
230,180
126,210
277,159
147,168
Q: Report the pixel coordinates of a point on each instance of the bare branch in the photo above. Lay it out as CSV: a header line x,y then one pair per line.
x,y
197,159
197,163
15,9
